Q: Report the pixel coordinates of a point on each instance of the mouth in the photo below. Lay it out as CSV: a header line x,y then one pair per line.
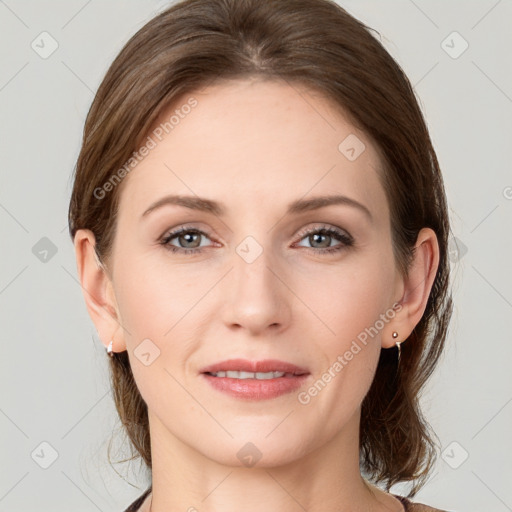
x,y
255,380
233,374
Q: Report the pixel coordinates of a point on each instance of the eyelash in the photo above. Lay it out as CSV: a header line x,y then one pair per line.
x,y
347,240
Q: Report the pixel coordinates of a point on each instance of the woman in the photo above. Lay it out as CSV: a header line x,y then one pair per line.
x,y
261,229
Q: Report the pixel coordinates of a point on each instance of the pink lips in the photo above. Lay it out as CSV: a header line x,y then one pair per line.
x,y
256,389
243,365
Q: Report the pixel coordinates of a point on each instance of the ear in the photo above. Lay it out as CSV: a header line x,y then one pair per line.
x,y
98,291
416,289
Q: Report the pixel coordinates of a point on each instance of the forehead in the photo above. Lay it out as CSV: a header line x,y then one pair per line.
x,y
256,144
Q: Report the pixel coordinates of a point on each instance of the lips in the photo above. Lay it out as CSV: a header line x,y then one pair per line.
x,y
234,377
264,366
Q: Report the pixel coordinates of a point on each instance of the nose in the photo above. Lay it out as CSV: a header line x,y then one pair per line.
x,y
256,297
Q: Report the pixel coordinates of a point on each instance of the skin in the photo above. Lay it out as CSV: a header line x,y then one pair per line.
x,y
255,146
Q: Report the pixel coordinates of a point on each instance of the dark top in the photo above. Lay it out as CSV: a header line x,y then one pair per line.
x,y
409,506
134,507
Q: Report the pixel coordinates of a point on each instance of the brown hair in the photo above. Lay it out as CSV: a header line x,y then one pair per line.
x,y
315,43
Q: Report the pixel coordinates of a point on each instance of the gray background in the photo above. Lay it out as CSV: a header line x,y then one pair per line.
x,y
53,372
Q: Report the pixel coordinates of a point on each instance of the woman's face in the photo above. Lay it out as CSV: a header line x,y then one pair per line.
x,y
259,281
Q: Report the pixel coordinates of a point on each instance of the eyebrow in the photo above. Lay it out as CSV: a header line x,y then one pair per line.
x,y
297,206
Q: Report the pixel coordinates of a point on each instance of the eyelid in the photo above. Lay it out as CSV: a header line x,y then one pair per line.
x,y
326,227
185,227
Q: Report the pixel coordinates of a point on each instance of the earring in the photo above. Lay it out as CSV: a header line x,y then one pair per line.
x,y
109,349
395,335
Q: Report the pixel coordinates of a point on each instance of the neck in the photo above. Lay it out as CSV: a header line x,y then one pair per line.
x,y
325,479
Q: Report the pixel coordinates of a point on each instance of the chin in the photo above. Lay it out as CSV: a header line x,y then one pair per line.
x,y
259,451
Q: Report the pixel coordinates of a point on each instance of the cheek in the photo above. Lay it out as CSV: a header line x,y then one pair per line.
x,y
153,296
348,343
354,307
156,303
348,299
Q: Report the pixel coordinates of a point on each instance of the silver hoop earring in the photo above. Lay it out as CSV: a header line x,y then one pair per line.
x,y
109,349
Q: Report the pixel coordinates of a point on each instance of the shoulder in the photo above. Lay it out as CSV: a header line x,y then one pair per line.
x,y
417,507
